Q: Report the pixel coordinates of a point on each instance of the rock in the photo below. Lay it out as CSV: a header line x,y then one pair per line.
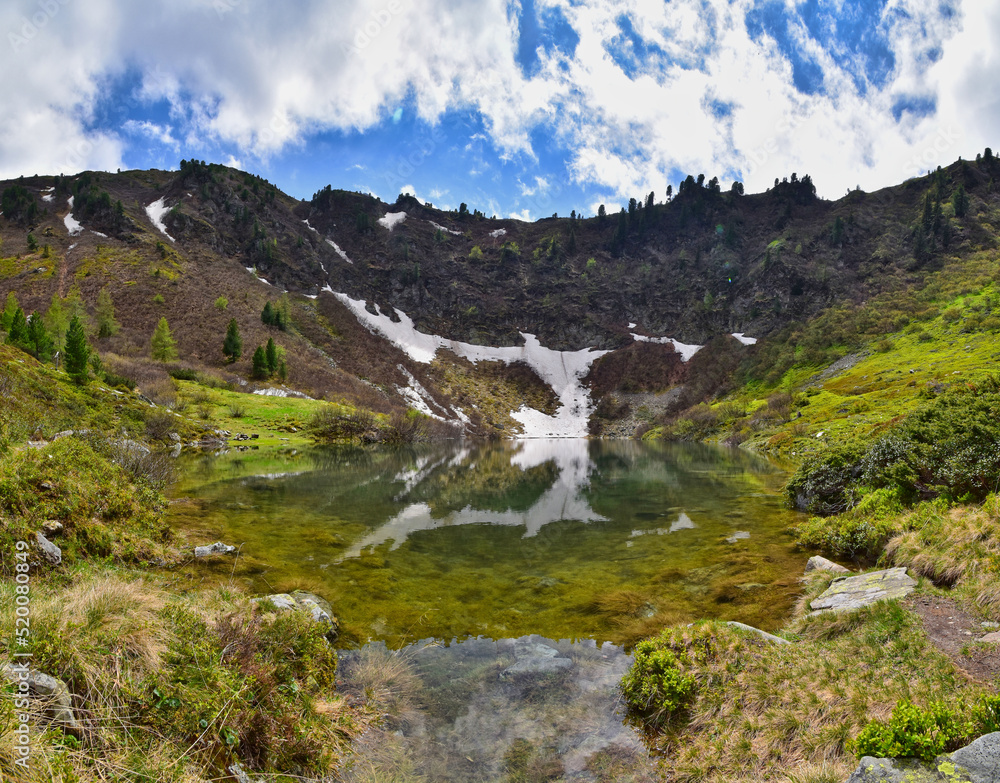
x,y
739,535
174,437
990,624
59,702
63,434
978,762
991,638
535,658
853,592
52,527
317,608
762,634
218,548
818,563
133,447
49,551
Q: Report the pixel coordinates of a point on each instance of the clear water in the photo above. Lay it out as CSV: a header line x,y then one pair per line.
x,y
568,539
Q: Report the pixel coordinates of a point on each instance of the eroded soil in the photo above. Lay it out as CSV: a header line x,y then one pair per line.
x,y
956,633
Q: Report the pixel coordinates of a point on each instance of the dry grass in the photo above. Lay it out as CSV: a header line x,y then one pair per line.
x,y
957,547
773,712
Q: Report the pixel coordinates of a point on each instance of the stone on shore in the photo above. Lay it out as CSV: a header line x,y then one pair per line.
x,y
316,607
218,548
818,563
762,634
854,592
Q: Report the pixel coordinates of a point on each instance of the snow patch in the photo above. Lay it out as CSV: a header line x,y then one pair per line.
x,y
283,392
309,227
48,197
72,226
632,325
561,370
341,253
744,339
156,211
253,271
100,234
445,228
417,396
498,233
392,219
686,351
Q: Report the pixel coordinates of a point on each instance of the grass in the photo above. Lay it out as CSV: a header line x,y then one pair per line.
x,y
762,711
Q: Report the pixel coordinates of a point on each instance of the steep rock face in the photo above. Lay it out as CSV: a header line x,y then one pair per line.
x,y
696,269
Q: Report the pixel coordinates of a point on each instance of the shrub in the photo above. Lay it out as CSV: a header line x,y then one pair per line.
x,y
923,733
656,685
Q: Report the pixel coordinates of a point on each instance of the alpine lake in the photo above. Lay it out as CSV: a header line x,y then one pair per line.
x,y
502,583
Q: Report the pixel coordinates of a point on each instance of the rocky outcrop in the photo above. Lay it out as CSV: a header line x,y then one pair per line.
x,y
854,592
50,553
978,762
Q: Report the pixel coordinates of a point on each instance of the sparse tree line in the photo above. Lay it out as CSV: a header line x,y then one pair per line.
x,y
60,336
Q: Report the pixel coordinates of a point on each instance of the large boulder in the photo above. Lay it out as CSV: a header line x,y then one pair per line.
x,y
854,592
51,693
819,563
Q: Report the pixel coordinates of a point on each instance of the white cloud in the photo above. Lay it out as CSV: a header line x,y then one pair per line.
x,y
263,77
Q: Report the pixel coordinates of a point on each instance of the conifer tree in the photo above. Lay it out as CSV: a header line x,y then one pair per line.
x,y
77,351
18,331
162,344
106,323
267,314
37,340
57,322
271,356
232,346
258,368
7,318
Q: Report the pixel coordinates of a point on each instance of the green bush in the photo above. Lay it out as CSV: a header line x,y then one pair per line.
x,y
656,686
923,733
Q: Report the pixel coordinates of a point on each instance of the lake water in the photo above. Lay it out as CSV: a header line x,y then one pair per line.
x,y
569,539
500,582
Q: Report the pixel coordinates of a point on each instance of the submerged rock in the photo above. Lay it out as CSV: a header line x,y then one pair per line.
x,y
854,592
536,658
978,762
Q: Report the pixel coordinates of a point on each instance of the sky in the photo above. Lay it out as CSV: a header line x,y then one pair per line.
x,y
518,108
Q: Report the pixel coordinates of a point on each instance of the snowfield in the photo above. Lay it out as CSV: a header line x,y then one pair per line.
x,y
156,211
338,251
744,339
392,219
686,351
561,370
72,226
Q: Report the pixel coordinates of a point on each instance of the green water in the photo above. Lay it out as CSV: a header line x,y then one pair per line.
x,y
602,540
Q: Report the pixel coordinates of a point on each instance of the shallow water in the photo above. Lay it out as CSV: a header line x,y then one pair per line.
x,y
569,539
485,710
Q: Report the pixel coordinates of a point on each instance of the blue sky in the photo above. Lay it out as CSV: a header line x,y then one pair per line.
x,y
516,108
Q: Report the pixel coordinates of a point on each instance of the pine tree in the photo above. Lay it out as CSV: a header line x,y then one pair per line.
x,y
271,356
57,322
77,352
106,323
38,342
18,331
8,312
267,314
258,363
162,344
960,201
232,346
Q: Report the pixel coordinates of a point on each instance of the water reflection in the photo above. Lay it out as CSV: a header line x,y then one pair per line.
x,y
561,501
567,538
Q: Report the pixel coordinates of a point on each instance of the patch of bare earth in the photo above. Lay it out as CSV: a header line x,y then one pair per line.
x,y
955,633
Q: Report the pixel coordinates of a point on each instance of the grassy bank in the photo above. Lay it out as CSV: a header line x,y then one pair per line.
x,y
168,682
891,410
